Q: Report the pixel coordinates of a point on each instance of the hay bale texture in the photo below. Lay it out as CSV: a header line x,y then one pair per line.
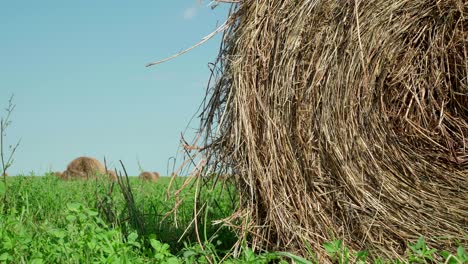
x,y
84,168
149,176
344,120
111,174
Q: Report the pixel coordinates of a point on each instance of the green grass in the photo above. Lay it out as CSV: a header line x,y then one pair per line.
x,y
36,205
46,220
45,198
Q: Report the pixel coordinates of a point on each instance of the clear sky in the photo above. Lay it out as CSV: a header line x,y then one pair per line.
x,y
77,71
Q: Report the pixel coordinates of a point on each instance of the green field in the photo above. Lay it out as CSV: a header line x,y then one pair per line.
x,y
47,220
54,221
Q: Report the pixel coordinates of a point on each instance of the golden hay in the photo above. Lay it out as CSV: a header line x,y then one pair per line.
x,y
111,175
84,168
149,176
66,176
58,174
344,120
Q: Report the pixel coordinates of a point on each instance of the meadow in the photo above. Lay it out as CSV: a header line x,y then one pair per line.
x,y
45,218
48,220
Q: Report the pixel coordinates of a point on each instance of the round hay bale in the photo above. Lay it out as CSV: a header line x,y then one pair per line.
x,y
84,168
112,175
58,174
156,174
5,174
66,175
352,128
149,176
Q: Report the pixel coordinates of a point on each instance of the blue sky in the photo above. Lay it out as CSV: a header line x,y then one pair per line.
x,y
77,70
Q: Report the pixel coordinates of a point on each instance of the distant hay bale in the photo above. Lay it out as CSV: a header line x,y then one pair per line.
x,y
344,120
149,176
66,176
5,174
84,168
112,175
58,174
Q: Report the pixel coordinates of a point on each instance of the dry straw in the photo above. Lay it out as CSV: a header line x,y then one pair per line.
x,y
84,168
149,176
344,120
111,175
58,174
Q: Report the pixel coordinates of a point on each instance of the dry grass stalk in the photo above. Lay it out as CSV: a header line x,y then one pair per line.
x,y
344,120
84,168
149,176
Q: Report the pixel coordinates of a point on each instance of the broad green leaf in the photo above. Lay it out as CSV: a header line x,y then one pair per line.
x,y
362,255
445,254
132,237
92,213
461,253
420,244
189,253
249,254
155,244
92,244
451,259
4,256
58,233
172,260
337,243
430,252
36,261
74,207
165,248
7,243
330,248
158,256
70,218
297,259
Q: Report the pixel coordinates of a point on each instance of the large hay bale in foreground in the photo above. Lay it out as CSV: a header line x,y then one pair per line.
x,y
149,176
84,168
345,122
